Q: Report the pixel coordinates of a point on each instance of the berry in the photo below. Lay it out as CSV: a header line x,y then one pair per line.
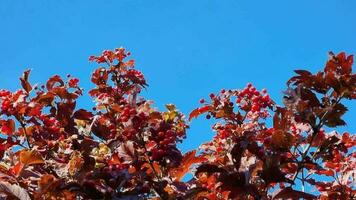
x,y
255,108
238,100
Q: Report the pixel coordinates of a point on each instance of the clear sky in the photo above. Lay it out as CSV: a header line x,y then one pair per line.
x,y
186,49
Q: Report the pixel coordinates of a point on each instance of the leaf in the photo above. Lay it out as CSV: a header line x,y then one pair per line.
x,y
14,190
54,81
171,114
16,169
24,81
195,113
333,118
100,76
272,172
152,168
127,152
75,164
303,72
328,172
115,160
188,160
7,126
47,185
30,157
83,115
45,99
282,139
289,193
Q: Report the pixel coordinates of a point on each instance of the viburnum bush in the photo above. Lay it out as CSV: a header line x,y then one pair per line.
x,y
126,149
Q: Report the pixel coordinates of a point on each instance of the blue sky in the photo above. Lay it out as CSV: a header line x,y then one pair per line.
x,y
186,49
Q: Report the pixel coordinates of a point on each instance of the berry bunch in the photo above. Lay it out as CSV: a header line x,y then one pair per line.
x,y
251,99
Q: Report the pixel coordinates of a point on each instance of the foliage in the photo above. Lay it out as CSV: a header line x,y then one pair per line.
x,y
126,149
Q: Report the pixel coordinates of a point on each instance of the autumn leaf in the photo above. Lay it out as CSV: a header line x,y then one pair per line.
x,y
171,114
195,113
83,115
45,99
30,157
7,126
54,81
328,172
282,139
188,160
152,168
47,185
24,81
75,164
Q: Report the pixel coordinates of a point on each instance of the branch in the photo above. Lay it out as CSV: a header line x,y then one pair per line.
x,y
316,129
23,125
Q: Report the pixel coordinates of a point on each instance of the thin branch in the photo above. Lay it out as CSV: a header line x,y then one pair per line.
x,y
23,125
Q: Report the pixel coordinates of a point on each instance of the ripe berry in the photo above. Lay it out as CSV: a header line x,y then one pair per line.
x,y
161,134
255,108
202,101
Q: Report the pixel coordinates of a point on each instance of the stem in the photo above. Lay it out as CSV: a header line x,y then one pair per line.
x,y
316,129
303,186
150,162
24,129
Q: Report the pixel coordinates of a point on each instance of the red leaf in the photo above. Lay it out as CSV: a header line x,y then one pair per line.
x,y
7,127
188,160
195,113
51,83
83,115
328,172
24,81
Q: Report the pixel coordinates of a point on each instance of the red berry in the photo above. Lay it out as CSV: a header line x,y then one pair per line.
x,y
202,101
255,108
238,100
161,134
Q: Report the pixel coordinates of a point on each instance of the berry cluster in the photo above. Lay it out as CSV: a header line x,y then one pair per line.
x,y
6,98
164,140
73,82
251,99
